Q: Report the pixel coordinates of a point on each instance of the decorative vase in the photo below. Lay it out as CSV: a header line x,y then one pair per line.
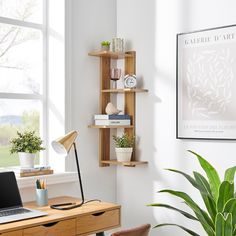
x,y
118,45
26,159
124,154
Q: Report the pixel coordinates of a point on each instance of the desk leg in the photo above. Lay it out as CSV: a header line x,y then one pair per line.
x,y
100,234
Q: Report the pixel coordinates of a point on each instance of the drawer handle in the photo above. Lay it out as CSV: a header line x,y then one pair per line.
x,y
50,224
99,213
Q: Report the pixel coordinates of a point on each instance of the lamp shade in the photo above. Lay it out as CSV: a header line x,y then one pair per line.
x,y
63,144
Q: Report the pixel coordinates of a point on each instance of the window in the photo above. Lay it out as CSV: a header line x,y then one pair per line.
x,y
23,72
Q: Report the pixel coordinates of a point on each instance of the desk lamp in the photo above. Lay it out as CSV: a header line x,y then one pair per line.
x,y
63,146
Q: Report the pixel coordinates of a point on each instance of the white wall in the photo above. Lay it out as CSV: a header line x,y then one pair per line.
x,y
150,27
92,22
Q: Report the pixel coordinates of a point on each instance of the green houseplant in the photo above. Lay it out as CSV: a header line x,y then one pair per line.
x,y
26,144
105,45
124,147
219,218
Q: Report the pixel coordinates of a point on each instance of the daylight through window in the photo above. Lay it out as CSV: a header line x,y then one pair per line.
x,y
23,64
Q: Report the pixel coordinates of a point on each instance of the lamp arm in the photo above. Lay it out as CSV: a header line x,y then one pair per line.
x,y
79,175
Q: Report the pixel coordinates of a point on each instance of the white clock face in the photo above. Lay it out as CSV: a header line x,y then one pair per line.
x,y
130,81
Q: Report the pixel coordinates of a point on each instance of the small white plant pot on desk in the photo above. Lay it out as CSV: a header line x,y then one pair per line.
x,y
124,154
26,159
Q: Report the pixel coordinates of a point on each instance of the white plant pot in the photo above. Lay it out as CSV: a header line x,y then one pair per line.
x,y
26,159
105,47
124,154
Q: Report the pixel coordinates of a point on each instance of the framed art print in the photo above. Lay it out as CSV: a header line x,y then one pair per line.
x,y
206,84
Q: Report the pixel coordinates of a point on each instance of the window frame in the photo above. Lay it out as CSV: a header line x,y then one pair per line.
x,y
43,98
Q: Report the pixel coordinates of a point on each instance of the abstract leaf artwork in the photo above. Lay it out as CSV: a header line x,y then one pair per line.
x,y
206,84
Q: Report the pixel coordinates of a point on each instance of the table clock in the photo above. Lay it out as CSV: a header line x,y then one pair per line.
x,y
130,81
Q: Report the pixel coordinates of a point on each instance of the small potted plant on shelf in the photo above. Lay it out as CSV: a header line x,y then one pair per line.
x,y
27,145
105,45
124,147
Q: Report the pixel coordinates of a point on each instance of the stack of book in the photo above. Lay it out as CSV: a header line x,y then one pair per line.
x,y
116,120
44,170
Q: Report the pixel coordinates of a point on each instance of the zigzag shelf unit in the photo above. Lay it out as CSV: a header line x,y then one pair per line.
x,y
105,97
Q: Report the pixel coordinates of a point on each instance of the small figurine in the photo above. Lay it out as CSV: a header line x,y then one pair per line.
x,y
111,109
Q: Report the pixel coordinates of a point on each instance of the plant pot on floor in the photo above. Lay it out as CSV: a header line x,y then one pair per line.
x,y
26,159
124,154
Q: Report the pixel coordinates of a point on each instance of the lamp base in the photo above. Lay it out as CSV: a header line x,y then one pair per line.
x,y
71,205
66,206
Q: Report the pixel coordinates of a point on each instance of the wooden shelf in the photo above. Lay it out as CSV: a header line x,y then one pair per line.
x,y
111,126
128,164
124,90
113,55
105,96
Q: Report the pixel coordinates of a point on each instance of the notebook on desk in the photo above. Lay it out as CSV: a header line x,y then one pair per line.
x,y
11,207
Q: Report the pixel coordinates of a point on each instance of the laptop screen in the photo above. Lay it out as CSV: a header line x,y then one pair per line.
x,y
9,192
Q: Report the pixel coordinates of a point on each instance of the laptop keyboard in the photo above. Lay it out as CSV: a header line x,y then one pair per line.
x,y
14,212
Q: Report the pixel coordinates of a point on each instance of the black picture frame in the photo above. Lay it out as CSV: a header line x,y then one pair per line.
x,y
206,110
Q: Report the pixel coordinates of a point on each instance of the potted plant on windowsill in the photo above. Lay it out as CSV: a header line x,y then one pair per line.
x,y
27,145
124,147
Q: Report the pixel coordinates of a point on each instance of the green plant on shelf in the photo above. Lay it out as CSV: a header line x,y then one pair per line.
x,y
105,43
125,141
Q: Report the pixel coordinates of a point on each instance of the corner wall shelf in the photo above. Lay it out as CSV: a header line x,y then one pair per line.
x,y
124,163
111,126
105,97
124,90
112,55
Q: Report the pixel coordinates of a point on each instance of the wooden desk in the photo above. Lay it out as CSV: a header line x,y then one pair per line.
x,y
91,218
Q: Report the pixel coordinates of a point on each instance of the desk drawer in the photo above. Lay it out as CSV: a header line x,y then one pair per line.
x,y
61,228
98,221
13,233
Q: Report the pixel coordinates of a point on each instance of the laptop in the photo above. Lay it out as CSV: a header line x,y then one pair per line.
x,y
11,207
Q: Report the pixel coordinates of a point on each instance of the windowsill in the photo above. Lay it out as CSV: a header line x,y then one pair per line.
x,y
56,178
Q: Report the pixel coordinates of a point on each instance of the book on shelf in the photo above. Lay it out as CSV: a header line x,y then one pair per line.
x,y
112,122
111,117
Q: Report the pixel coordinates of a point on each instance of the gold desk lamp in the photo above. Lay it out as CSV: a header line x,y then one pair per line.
x,y
63,146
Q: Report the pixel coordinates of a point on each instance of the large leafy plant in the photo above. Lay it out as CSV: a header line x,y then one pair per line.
x,y
219,218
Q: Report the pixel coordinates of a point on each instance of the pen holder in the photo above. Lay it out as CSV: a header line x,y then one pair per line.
x,y
42,197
